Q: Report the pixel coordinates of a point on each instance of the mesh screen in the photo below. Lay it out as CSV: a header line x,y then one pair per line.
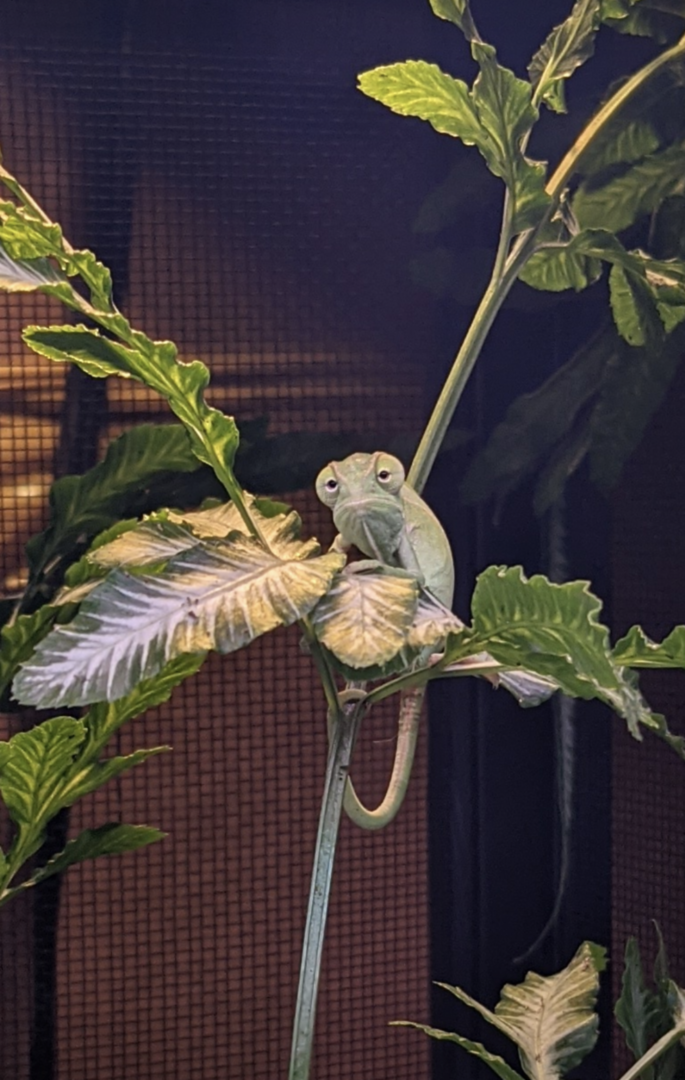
x,y
262,222
648,878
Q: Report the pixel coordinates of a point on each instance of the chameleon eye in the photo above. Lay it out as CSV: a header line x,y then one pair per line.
x,y
331,484
384,475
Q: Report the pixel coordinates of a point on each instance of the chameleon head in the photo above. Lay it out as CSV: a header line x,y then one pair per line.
x,y
363,491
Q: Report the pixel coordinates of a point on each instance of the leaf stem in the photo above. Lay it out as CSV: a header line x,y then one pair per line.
x,y
660,1047
339,756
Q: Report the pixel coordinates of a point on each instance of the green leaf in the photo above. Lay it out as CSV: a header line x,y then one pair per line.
x,y
364,619
658,19
635,1010
84,780
494,1061
457,12
552,1020
18,640
417,88
110,839
219,595
33,775
83,506
637,191
506,112
632,306
567,47
622,143
25,275
558,268
636,650
25,236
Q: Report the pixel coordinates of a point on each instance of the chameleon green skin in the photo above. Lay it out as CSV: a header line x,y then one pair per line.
x,y
377,512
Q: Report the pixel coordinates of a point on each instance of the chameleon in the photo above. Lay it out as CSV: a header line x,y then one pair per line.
x,y
375,510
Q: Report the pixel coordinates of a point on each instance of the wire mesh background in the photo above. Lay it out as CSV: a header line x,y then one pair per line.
x,y
261,220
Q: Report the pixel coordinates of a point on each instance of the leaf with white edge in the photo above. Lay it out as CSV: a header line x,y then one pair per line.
x,y
110,839
552,1020
636,650
636,192
365,617
494,1061
417,88
506,111
432,623
457,12
151,543
90,777
567,47
26,275
219,595
33,775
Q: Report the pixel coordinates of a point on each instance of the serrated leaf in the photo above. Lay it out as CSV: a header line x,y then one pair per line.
x,y
636,192
506,112
97,773
32,777
417,88
83,506
567,47
494,1061
219,595
553,631
457,12
364,619
432,623
552,1020
26,236
635,649
110,839
18,640
635,1009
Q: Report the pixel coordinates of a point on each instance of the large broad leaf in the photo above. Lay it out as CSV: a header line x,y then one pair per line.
x,y
567,47
552,1020
493,1061
553,631
219,595
364,620
638,191
34,770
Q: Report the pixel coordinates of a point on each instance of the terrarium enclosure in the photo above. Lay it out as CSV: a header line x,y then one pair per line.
x,y
323,258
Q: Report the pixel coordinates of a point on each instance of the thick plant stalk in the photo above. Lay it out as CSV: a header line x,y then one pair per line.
x,y
339,756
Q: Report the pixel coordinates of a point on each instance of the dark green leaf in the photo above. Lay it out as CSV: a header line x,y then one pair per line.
x,y
622,143
457,12
633,308
564,267
494,1061
18,641
91,777
635,1009
636,192
416,88
567,47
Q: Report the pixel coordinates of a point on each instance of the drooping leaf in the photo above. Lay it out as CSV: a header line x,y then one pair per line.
x,y
33,774
219,595
494,1061
637,191
506,112
568,46
25,275
552,1020
417,88
431,624
365,618
110,839
658,19
457,12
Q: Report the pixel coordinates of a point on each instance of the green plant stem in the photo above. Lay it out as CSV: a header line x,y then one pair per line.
x,y
506,269
660,1047
339,756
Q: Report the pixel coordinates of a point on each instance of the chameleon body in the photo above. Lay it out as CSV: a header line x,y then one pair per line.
x,y
377,512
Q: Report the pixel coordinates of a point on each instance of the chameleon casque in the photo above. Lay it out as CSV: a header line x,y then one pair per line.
x,y
377,512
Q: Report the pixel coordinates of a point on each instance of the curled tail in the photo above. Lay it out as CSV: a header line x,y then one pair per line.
x,y
411,702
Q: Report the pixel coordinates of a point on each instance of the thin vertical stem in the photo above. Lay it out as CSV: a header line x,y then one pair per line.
x,y
339,756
